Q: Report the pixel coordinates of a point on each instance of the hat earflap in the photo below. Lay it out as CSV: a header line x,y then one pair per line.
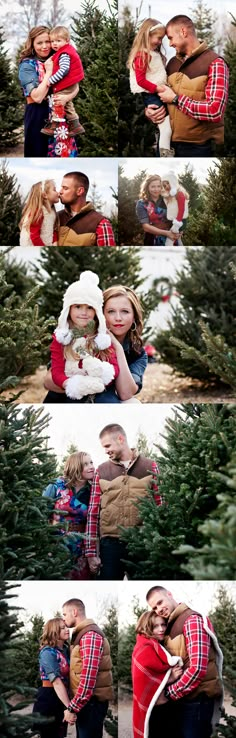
x,y
63,336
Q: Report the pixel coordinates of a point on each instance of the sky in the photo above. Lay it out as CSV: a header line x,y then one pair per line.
x,y
81,425
164,12
46,597
200,166
101,170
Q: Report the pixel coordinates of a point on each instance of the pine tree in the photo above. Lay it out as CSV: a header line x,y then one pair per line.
x,y
11,111
216,226
207,293
216,558
127,639
199,441
136,133
218,357
72,448
230,115
223,618
10,207
110,629
204,20
30,547
142,444
27,651
95,37
130,230
23,334
10,627
190,182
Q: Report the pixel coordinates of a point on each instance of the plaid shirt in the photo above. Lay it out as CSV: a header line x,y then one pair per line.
x,y
216,95
92,530
91,650
197,643
104,233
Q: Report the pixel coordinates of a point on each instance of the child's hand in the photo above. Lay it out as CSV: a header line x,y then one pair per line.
x,y
166,93
48,65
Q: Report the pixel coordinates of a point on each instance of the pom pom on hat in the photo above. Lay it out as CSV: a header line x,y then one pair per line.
x,y
173,182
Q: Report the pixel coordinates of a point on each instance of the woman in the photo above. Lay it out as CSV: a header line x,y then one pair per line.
x,y
152,668
71,493
123,313
151,211
34,80
52,698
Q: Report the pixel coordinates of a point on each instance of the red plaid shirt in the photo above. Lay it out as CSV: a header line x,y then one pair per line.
x,y
91,650
104,233
197,643
92,530
216,95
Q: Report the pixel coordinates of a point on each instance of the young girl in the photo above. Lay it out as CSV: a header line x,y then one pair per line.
x,y
176,199
152,668
151,211
83,361
38,224
147,71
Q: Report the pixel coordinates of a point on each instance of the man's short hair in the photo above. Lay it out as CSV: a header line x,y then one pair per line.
x,y
112,428
181,20
75,603
156,588
80,178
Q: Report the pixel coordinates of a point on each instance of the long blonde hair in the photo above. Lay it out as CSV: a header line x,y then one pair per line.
x,y
51,632
73,468
141,44
28,49
134,334
144,190
32,211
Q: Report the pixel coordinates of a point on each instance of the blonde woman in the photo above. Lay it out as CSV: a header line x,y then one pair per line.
x,y
52,697
39,222
71,495
151,211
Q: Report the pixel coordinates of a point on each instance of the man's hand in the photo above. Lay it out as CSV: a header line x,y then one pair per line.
x,y
155,114
69,717
166,93
94,563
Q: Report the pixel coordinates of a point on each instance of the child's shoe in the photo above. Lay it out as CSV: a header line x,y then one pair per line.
x,y
167,152
75,127
50,127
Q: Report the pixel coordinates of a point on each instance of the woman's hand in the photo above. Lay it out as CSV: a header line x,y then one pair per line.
x,y
69,717
173,236
117,345
155,114
176,673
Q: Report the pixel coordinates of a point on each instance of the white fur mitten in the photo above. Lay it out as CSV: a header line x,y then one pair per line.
x,y
92,366
80,385
108,372
176,225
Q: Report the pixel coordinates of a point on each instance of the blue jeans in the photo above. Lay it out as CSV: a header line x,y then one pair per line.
x,y
152,98
89,723
112,550
185,148
196,716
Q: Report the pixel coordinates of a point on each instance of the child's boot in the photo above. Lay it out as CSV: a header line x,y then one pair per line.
x,y
75,127
50,127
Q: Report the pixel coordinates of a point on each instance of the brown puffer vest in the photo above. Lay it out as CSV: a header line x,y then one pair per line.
x,y
120,490
190,78
79,229
103,688
175,643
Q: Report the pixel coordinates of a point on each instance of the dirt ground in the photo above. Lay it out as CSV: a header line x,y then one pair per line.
x,y
71,732
15,151
125,715
160,385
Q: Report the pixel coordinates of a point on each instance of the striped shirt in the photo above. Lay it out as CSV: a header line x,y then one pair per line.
x,y
92,530
197,643
64,68
91,650
212,108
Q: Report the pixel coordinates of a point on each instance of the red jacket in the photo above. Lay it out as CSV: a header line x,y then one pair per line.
x,y
58,362
149,667
76,72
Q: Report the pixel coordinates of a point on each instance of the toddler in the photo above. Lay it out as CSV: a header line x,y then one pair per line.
x,y
67,72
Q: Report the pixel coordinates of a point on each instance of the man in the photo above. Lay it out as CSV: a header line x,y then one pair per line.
x,y
90,672
80,224
117,486
198,92
191,636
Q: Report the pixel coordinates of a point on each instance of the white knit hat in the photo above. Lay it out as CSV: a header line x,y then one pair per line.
x,y
83,292
173,182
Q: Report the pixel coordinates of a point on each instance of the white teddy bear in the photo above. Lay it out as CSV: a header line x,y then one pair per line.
x,y
93,377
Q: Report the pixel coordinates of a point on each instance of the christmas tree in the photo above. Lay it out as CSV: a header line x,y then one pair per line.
x,y
10,207
230,114
30,547
204,20
207,293
198,442
127,639
110,630
190,182
95,37
216,558
27,652
23,334
216,226
136,133
10,101
11,724
130,230
223,617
